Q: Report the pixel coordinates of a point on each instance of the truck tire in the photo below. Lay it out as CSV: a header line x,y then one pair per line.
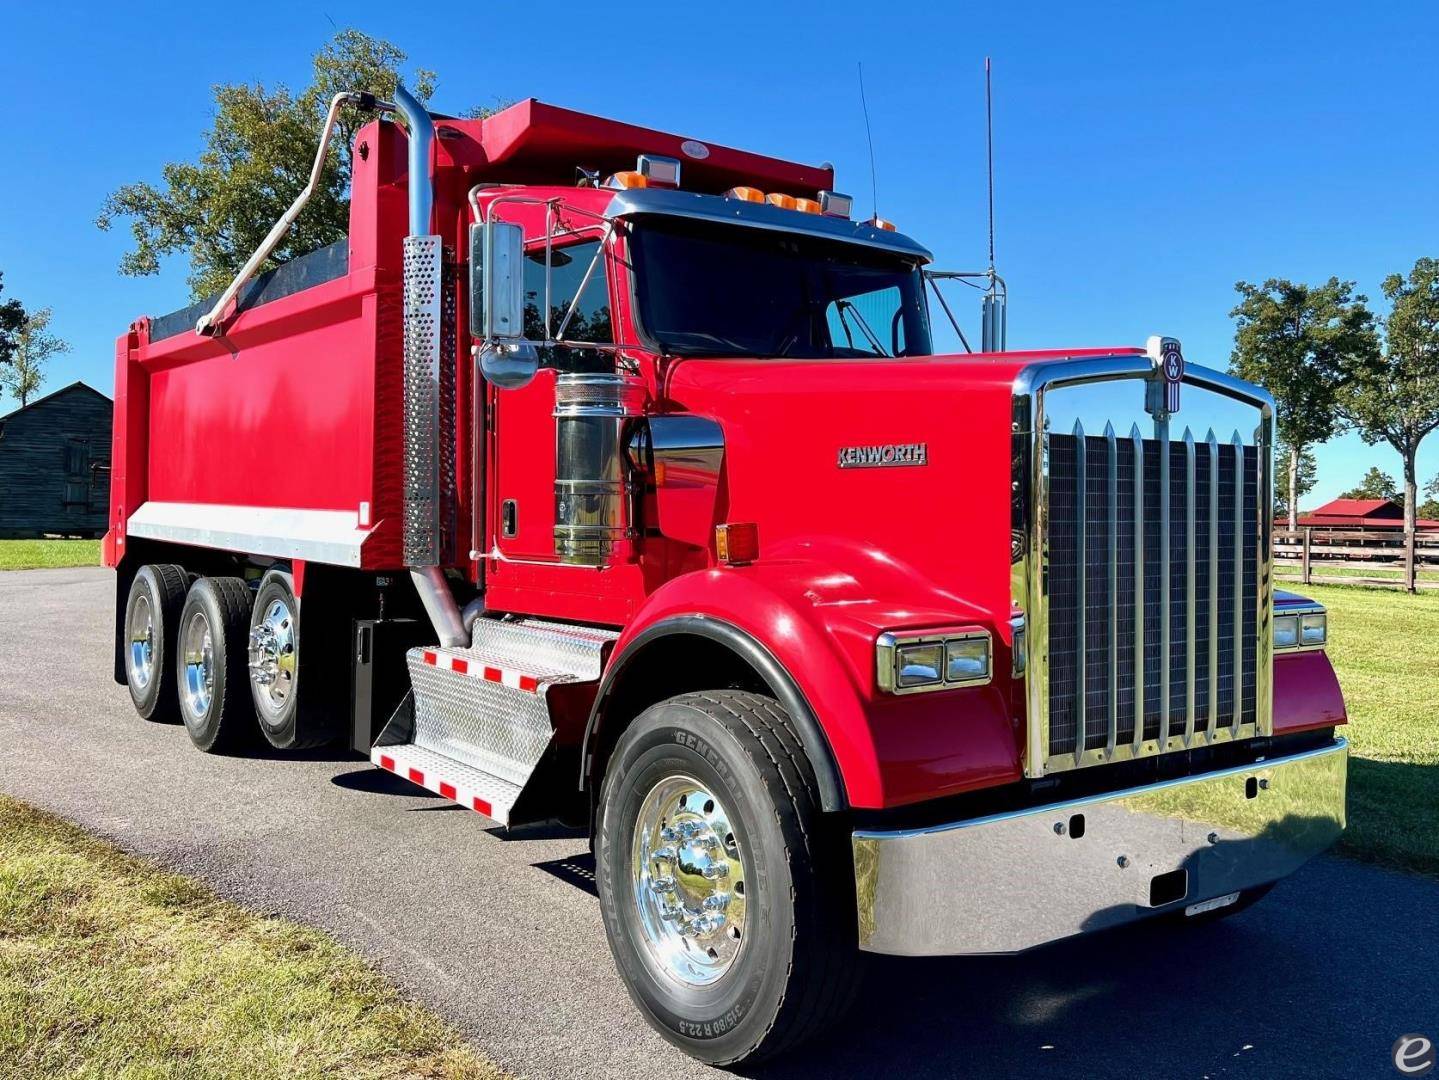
x,y
152,613
287,720
210,672
728,899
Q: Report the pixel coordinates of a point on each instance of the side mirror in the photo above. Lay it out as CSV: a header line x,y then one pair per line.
x,y
497,304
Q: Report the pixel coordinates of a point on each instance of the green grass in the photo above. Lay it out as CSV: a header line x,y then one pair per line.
x,y
37,554
112,968
1385,646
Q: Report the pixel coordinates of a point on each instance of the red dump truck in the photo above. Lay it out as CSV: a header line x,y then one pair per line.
x,y
607,475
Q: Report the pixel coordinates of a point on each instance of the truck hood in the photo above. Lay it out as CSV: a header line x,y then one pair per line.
x,y
895,471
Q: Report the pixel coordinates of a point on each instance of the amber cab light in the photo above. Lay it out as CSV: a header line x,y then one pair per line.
x,y
806,206
881,223
784,202
737,544
745,194
628,179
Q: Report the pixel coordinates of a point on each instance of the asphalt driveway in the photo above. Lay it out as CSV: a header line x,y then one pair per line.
x,y
502,934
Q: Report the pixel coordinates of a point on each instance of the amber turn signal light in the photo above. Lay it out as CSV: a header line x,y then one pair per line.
x,y
737,544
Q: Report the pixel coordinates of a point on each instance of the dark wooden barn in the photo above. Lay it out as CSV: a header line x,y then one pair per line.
x,y
55,465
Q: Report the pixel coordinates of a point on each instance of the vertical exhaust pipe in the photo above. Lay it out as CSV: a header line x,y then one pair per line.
x,y
422,443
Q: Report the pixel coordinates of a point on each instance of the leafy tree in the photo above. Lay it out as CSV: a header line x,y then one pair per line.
x,y
256,158
1302,343
34,346
1305,478
1397,399
1377,484
12,318
1429,508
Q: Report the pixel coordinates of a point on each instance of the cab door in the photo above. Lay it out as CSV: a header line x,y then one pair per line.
x,y
523,477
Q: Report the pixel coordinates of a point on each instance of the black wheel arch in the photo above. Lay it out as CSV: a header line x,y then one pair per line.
x,y
627,688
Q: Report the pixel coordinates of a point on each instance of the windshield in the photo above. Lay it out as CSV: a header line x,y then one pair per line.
x,y
721,290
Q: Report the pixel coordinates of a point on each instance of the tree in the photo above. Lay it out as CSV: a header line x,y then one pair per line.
x,y
256,158
34,346
1305,477
1397,399
1376,484
12,317
1302,343
1429,508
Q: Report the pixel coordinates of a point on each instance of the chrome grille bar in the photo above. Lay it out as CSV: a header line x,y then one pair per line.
x,y
1161,435
1113,451
1138,439
1189,564
1082,690
1239,620
1211,725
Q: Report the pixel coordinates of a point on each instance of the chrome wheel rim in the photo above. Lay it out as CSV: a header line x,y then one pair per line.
x,y
689,882
273,656
198,674
142,643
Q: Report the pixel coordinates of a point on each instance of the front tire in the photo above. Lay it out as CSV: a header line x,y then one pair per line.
x,y
210,671
728,899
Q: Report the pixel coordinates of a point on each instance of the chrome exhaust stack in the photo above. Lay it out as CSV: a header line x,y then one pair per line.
x,y
423,446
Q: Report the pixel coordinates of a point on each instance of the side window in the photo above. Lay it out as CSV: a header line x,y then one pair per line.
x,y
591,321
869,323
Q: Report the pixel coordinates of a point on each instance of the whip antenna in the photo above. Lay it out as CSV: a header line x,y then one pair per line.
x,y
989,154
869,136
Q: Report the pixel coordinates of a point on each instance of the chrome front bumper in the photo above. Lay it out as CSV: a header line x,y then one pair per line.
x,y
1012,881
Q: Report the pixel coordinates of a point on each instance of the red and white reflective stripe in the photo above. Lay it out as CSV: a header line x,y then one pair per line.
x,y
460,666
443,788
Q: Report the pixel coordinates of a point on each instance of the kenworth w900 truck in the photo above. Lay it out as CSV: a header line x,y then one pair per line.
x,y
606,475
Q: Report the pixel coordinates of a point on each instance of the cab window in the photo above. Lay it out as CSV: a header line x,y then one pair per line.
x,y
591,321
870,322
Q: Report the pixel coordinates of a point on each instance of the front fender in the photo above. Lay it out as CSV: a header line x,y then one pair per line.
x,y
817,612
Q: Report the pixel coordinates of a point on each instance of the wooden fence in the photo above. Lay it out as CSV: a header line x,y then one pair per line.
x,y
1361,555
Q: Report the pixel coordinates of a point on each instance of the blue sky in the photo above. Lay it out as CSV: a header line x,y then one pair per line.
x,y
1148,156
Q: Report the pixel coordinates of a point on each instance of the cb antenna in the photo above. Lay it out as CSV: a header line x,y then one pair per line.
x,y
989,154
869,136
995,330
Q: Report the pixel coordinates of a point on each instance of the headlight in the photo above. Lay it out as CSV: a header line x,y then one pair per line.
x,y
1307,629
932,660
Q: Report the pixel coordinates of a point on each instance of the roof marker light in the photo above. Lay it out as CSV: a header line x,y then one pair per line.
x,y
784,202
833,204
881,223
807,206
627,180
745,194
659,171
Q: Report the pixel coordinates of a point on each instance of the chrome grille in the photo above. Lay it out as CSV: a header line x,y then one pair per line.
x,y
1154,599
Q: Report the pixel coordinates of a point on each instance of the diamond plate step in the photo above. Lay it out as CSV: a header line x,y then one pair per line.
x,y
473,788
481,714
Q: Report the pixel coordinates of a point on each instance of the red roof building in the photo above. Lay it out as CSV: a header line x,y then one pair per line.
x,y
1360,514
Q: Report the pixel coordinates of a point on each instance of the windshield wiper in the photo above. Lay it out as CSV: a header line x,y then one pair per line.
x,y
845,305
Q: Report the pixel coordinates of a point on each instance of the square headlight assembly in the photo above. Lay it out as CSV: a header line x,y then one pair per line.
x,y
966,660
1313,628
933,661
919,665
1286,631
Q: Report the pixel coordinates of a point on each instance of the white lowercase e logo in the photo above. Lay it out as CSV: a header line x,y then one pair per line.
x,y
1414,1055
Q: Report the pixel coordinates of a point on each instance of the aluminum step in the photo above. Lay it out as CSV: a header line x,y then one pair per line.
x,y
480,716
472,788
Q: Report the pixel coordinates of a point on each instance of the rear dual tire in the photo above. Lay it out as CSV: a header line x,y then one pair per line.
x,y
211,675
728,898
